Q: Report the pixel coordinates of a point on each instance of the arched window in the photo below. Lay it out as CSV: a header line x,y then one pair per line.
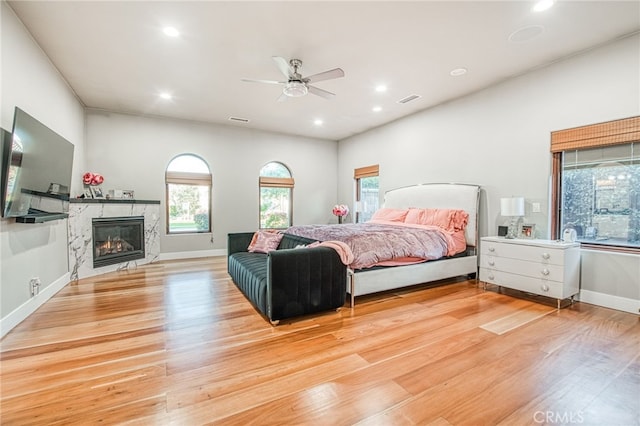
x,y
276,196
188,199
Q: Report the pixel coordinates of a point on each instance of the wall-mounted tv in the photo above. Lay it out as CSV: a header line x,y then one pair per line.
x,y
36,171
5,149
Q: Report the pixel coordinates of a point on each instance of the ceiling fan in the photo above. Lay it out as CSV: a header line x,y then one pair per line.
x,y
296,86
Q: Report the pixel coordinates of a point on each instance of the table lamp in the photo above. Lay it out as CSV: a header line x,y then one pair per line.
x,y
514,208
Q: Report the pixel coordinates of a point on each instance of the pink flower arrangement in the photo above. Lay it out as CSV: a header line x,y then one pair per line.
x,y
92,179
340,210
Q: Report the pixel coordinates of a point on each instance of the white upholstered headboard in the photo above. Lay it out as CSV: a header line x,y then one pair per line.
x,y
440,196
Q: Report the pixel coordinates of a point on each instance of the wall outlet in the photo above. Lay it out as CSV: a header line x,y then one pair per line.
x,y
535,207
34,286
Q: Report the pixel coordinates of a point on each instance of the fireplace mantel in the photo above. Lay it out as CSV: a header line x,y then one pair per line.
x,y
81,213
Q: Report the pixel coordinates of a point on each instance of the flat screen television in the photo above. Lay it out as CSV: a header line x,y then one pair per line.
x,y
36,171
5,149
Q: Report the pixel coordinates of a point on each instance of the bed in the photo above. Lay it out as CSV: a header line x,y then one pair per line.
x,y
450,196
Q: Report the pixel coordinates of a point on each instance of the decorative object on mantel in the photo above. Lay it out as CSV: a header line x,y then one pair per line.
x,y
127,194
96,191
92,179
114,194
340,210
91,183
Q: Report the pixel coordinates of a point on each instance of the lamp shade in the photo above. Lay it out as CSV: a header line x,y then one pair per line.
x,y
512,206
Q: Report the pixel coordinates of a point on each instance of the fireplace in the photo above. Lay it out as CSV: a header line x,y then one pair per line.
x,y
117,239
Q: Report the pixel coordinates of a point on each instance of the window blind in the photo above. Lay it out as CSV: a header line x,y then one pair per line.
x,y
597,135
276,182
183,178
368,171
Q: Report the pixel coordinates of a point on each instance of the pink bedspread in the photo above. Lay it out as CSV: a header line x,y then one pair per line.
x,y
381,243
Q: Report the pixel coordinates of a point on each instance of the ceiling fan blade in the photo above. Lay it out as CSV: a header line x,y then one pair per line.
x,y
327,75
249,80
282,97
283,66
320,92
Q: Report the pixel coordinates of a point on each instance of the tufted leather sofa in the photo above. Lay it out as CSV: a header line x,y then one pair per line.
x,y
289,281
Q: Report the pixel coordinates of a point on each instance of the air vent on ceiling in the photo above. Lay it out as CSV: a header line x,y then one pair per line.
x,y
409,99
239,120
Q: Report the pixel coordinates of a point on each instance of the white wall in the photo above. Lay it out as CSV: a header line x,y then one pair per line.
x,y
132,152
28,80
500,137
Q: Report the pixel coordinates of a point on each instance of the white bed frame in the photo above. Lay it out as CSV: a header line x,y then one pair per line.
x,y
432,195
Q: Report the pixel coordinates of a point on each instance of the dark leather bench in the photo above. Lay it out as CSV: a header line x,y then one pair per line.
x,y
287,282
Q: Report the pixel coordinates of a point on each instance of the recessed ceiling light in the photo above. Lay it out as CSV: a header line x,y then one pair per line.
x,y
543,5
171,31
166,95
376,109
381,88
317,122
458,71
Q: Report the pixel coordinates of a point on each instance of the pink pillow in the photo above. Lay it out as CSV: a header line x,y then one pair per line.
x,y
418,217
392,215
449,219
265,241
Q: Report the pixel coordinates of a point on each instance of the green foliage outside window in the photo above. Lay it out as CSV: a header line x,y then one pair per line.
x,y
274,207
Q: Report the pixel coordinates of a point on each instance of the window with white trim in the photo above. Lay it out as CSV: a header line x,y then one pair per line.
x,y
367,192
276,196
188,195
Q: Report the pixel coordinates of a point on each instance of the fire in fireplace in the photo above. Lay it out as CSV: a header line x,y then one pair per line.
x,y
117,239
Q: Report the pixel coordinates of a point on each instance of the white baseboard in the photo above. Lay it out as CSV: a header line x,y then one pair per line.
x,y
30,306
608,301
192,254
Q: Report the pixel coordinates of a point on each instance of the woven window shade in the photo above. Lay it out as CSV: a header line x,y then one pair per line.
x,y
597,135
275,182
181,178
368,171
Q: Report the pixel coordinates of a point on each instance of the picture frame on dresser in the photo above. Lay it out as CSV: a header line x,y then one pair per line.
x,y
527,231
87,193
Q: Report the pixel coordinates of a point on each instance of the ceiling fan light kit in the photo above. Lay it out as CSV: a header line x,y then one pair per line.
x,y
295,89
297,86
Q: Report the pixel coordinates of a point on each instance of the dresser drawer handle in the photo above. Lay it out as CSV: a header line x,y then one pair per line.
x,y
492,249
491,262
545,271
492,277
546,255
544,287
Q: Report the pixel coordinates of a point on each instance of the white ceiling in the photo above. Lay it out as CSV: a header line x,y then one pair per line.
x,y
115,56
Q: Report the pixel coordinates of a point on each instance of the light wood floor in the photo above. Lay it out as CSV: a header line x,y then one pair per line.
x,y
177,343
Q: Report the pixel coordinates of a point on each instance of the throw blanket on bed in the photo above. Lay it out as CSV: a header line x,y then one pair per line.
x,y
343,250
377,243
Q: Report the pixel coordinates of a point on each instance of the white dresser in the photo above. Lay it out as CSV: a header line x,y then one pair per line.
x,y
543,267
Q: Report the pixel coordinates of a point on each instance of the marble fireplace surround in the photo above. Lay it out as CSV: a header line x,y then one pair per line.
x,y
82,211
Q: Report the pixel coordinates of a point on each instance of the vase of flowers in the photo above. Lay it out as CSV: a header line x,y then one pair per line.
x,y
92,182
340,210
